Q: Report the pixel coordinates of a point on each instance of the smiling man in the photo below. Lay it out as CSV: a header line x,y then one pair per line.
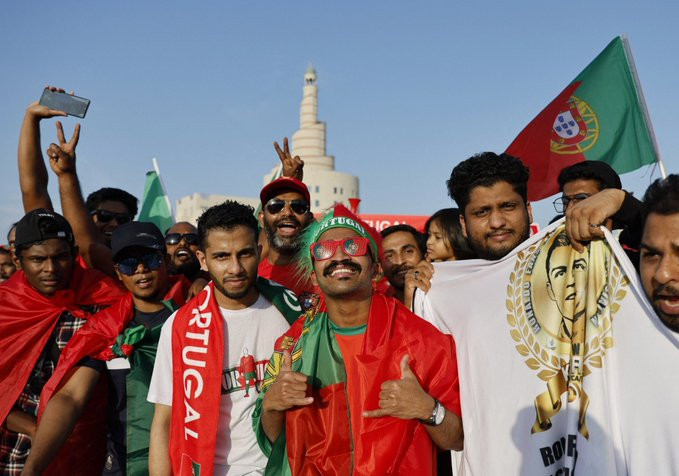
x,y
359,384
403,248
120,341
212,354
284,216
41,308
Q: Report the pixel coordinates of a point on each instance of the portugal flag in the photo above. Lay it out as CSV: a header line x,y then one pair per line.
x,y
601,115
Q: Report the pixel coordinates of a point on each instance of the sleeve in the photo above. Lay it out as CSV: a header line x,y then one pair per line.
x,y
439,366
91,362
160,388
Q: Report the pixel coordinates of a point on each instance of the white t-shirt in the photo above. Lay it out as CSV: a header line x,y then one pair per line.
x,y
247,332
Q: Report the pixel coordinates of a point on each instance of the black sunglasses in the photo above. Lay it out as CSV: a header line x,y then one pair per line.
x,y
105,216
151,261
174,238
275,205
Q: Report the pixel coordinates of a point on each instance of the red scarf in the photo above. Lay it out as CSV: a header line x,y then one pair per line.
x,y
197,361
99,333
27,319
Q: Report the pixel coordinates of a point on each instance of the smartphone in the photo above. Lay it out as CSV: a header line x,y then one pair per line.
x,y
71,105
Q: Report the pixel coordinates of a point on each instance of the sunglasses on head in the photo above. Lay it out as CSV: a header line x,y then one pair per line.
x,y
275,205
104,216
354,246
175,238
128,266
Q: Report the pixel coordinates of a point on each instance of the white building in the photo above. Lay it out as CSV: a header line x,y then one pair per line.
x,y
326,185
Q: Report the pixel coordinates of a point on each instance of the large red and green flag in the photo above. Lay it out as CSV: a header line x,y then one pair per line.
x,y
601,115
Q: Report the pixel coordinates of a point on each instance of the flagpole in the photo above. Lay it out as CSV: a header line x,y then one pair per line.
x,y
162,184
642,100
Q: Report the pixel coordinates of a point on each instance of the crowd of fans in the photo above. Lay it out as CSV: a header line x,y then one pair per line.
x,y
276,342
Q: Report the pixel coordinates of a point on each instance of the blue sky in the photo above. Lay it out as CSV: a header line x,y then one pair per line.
x,y
408,89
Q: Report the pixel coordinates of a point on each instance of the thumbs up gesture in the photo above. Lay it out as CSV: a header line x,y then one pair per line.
x,y
403,398
288,390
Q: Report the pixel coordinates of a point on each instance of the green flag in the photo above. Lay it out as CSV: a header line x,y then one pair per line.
x,y
601,115
156,206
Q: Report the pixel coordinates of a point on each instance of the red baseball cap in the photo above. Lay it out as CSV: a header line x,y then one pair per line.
x,y
281,185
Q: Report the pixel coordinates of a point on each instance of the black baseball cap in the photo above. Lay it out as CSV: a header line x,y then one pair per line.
x,y
40,225
137,233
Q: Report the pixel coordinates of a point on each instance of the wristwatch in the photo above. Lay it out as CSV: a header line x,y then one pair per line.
x,y
437,415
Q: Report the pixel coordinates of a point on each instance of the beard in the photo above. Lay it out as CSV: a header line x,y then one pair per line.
x,y
493,254
284,245
189,269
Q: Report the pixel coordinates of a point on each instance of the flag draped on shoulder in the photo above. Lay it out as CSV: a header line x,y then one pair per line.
x,y
27,320
156,206
318,439
600,115
564,367
197,365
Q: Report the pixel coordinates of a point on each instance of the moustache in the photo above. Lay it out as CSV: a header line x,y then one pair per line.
x,y
346,263
665,290
401,268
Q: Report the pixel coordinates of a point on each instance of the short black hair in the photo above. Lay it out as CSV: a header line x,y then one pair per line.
x,y
486,169
662,196
106,194
4,251
226,216
602,173
449,221
420,239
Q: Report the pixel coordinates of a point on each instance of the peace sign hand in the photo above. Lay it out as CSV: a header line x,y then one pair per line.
x,y
62,156
292,166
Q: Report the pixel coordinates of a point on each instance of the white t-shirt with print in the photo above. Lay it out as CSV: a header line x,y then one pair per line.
x,y
249,335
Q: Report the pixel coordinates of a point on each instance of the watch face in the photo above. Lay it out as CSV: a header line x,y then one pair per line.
x,y
440,414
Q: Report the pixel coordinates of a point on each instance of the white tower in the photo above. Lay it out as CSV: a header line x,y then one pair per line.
x,y
326,185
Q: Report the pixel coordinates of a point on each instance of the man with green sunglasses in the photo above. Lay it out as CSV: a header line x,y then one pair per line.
x,y
121,341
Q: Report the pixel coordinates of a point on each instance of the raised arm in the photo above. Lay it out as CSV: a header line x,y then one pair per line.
x,y
61,414
62,161
32,171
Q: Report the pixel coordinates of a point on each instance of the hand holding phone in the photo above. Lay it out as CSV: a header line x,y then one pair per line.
x,y
71,105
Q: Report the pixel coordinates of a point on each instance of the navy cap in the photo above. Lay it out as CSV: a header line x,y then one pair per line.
x,y
137,233
40,225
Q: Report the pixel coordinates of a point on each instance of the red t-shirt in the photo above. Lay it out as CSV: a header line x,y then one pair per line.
x,y
350,342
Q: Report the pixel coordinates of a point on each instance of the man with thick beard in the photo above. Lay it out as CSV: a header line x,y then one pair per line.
x,y
284,215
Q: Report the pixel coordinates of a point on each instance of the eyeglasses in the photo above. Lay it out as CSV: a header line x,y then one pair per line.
x,y
104,216
354,246
561,203
151,261
175,238
275,205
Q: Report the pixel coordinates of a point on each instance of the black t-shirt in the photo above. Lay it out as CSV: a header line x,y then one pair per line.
x,y
117,403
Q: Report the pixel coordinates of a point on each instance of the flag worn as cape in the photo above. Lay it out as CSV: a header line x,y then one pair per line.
x,y
318,438
197,365
104,336
27,319
564,367
156,206
600,115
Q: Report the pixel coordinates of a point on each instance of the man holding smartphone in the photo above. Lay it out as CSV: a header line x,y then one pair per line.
x,y
93,221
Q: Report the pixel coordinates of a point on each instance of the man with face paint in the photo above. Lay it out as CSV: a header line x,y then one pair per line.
x,y
359,384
